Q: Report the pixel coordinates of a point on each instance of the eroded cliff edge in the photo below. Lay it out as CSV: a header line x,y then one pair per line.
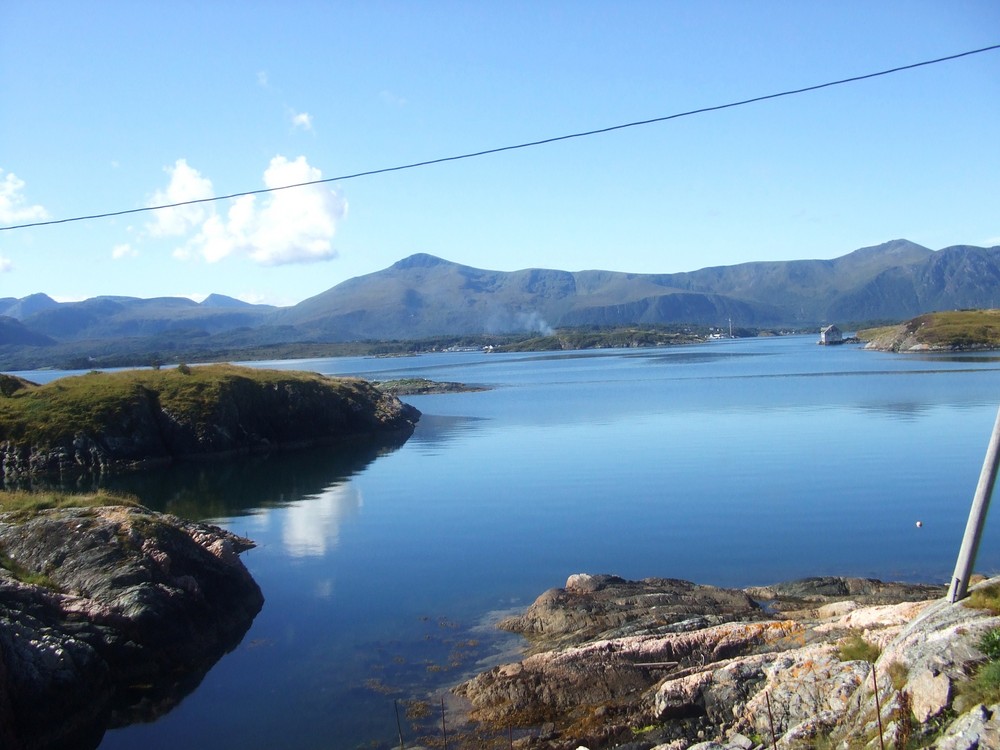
x,y
110,615
673,665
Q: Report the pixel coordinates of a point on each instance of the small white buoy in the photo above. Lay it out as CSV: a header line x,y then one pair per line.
x,y
920,524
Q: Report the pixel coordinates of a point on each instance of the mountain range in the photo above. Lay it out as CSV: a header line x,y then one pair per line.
x,y
425,296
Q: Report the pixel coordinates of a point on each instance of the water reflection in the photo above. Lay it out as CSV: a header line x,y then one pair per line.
x,y
902,410
434,431
312,525
240,486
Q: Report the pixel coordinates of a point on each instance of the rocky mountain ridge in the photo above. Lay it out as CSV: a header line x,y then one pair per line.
x,y
423,296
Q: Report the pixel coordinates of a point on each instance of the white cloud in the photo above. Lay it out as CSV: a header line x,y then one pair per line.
x,y
186,184
286,226
302,121
262,79
13,207
6,264
123,250
991,242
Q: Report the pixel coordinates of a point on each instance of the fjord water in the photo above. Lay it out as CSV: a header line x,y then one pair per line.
x,y
731,463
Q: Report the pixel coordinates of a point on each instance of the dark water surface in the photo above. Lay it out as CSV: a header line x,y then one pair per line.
x,y
731,463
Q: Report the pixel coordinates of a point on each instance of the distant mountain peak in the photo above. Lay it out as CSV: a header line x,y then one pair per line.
x,y
421,260
222,300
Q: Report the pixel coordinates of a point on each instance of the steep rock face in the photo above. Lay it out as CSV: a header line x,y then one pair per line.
x,y
138,606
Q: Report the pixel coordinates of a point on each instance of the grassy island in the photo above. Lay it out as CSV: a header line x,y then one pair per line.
x,y
955,330
111,420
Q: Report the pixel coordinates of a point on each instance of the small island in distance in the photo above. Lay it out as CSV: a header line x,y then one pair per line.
x,y
956,330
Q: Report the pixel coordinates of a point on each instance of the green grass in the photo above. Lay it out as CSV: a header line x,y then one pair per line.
x,y
52,413
856,648
24,575
29,502
989,644
984,687
984,597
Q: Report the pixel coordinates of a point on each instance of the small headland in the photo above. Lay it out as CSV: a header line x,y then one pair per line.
x,y
116,421
951,331
424,387
672,665
109,614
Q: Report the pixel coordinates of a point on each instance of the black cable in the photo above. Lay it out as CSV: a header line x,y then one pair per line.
x,y
501,149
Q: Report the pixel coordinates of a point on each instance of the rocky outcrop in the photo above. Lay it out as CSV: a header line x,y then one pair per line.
x,y
111,615
604,606
158,417
770,667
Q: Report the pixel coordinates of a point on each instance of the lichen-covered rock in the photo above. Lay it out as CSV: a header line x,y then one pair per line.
x,y
131,597
768,659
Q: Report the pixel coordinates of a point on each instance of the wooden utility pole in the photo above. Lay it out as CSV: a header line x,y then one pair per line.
x,y
977,518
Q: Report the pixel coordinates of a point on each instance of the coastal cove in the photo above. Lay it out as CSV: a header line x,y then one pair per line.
x,y
733,463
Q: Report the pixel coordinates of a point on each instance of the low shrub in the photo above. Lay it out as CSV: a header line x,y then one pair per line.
x,y
856,648
985,597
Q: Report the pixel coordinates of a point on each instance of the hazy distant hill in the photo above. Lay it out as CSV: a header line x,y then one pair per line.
x,y
115,317
424,296
21,308
13,332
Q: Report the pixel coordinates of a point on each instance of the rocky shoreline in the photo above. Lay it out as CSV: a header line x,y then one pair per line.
x,y
103,423
672,665
109,616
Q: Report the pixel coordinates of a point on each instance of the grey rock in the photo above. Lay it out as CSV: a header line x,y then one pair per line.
x,y
978,729
930,694
138,598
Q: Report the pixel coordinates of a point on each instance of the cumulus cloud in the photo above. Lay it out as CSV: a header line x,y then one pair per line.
x,y
6,264
13,207
302,121
186,184
285,226
294,225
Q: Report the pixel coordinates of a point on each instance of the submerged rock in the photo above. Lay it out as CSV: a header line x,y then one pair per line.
x,y
111,615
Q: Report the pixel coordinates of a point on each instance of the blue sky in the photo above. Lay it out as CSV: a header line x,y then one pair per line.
x,y
118,105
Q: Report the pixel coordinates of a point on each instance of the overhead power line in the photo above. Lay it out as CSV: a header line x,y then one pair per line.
x,y
501,149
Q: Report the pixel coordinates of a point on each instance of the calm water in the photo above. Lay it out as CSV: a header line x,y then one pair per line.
x,y
731,463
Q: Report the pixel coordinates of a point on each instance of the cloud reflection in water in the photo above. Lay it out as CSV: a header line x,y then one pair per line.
x,y
311,526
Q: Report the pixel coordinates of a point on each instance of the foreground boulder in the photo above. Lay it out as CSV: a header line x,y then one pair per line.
x,y
794,665
111,615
